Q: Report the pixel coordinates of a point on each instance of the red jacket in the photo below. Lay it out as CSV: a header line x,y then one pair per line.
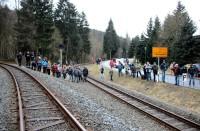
x,y
112,64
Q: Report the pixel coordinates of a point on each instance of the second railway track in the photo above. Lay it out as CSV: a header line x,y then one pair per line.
x,y
38,108
161,115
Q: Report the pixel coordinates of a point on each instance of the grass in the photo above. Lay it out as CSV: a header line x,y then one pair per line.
x,y
186,98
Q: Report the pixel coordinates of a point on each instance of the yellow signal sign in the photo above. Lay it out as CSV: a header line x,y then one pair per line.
x,y
160,52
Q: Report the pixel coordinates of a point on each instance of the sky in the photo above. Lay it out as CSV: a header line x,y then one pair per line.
x,y
130,16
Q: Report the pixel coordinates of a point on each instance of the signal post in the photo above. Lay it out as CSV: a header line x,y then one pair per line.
x,y
159,52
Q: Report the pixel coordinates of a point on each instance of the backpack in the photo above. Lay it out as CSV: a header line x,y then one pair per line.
x,y
85,71
102,70
192,71
155,69
163,66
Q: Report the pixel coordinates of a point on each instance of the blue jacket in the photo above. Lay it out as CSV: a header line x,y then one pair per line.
x,y
39,63
44,63
120,67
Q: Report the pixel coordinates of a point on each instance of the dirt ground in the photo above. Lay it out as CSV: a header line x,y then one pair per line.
x,y
185,98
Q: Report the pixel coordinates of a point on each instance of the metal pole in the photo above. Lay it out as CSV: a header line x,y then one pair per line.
x,y
61,57
68,42
110,55
158,66
145,48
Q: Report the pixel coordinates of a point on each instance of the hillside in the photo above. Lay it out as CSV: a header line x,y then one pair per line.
x,y
96,38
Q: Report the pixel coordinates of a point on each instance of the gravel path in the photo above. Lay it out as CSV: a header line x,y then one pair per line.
x,y
8,114
97,110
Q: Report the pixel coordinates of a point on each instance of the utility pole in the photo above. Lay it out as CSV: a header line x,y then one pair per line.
x,y
61,47
61,57
110,54
145,49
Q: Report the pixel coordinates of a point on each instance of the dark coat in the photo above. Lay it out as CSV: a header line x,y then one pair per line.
x,y
85,72
155,69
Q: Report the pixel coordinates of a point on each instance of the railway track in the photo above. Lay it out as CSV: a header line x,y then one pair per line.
x,y
38,108
171,120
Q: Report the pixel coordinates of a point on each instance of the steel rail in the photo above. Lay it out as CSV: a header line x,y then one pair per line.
x,y
75,124
171,114
19,99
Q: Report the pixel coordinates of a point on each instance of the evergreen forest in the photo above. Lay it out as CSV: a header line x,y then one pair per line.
x,y
36,25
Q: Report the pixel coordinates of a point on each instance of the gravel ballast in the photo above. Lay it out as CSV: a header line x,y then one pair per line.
x,y
96,109
8,106
29,88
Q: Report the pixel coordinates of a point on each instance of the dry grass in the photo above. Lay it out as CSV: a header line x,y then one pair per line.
x,y
185,98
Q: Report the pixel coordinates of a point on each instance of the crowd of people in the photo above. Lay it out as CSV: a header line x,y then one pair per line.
x,y
147,71
75,73
191,72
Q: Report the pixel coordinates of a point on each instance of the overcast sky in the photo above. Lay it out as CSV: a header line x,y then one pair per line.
x,y
131,16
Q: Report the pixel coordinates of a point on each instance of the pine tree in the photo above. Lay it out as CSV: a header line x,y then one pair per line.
x,y
84,36
125,46
184,44
156,30
25,26
150,28
152,38
44,25
133,47
140,49
124,50
185,47
178,30
195,54
111,41
66,21
149,41
7,21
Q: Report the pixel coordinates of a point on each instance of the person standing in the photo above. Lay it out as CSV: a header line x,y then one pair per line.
x,y
101,72
28,59
112,64
148,69
49,68
59,70
133,70
33,65
85,73
32,56
126,66
137,68
44,64
163,68
191,73
64,71
172,67
39,64
19,58
54,69
176,73
145,72
111,74
120,67
155,71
